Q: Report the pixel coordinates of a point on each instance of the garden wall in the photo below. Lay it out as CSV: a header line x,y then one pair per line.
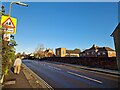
x,y
97,62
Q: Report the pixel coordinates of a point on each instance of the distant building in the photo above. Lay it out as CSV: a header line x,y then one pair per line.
x,y
116,35
96,51
62,52
49,53
73,53
32,54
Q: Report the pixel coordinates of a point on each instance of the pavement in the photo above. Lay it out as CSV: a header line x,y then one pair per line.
x,y
25,80
15,81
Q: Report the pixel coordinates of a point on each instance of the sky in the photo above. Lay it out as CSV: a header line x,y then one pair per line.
x,y
64,24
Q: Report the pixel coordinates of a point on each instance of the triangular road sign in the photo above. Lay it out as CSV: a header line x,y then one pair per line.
x,y
8,23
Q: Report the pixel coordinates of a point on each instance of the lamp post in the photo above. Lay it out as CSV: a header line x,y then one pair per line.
x,y
18,3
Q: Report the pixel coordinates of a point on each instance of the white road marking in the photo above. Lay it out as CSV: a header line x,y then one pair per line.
x,y
84,77
104,73
50,66
54,68
62,64
57,68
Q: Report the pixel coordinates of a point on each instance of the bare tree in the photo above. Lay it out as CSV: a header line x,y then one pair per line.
x,y
39,51
39,48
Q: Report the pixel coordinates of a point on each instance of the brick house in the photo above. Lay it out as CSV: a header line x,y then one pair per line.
x,y
116,37
96,51
49,53
72,53
62,52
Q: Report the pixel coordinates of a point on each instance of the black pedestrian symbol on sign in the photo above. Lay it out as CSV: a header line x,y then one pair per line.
x,y
8,23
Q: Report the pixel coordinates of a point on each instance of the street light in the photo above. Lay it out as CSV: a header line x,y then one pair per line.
x,y
22,4
18,3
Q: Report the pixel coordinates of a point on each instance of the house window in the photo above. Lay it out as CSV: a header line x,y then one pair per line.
x,y
63,52
103,53
87,53
83,54
57,52
98,53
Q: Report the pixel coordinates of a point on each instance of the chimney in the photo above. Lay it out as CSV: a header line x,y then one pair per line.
x,y
94,45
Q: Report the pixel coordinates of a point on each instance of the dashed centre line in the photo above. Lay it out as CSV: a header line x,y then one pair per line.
x,y
88,78
84,77
55,68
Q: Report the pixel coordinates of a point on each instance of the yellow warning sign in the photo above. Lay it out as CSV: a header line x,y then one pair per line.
x,y
9,23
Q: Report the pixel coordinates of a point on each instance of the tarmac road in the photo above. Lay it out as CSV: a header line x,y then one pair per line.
x,y
59,75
